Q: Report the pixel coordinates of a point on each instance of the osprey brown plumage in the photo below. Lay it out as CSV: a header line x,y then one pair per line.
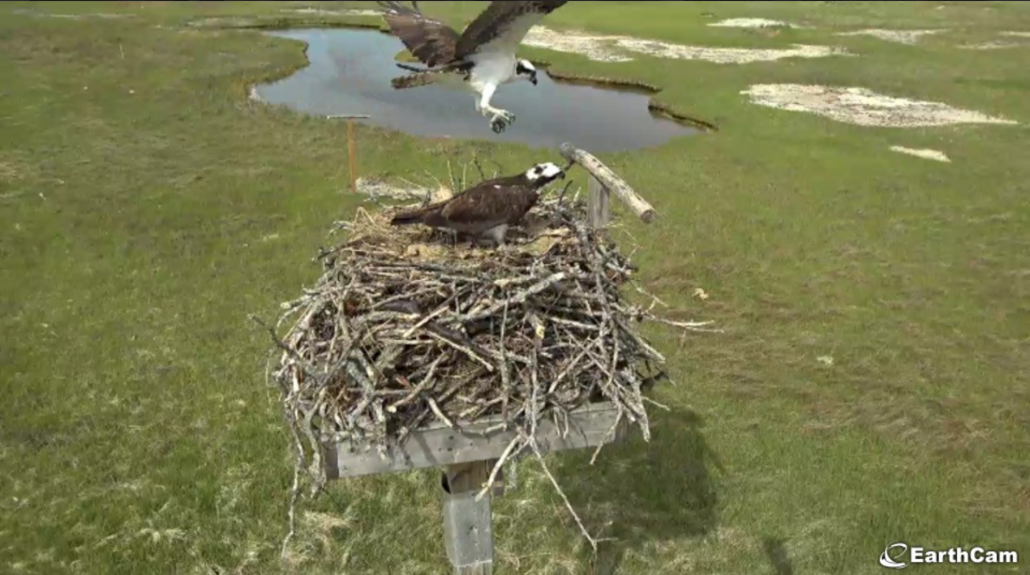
x,y
437,44
481,58
431,41
487,209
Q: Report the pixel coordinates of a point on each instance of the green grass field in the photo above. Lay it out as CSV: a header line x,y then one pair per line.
x,y
147,207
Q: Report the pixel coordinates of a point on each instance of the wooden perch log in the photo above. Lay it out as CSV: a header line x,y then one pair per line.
x,y
612,182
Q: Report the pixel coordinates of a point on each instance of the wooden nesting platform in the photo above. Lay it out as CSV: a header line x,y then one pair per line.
x,y
468,452
438,445
467,456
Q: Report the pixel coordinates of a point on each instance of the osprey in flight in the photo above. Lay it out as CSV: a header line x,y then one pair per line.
x,y
488,208
481,59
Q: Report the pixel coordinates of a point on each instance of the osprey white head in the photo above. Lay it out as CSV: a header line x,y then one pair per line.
x,y
544,173
525,69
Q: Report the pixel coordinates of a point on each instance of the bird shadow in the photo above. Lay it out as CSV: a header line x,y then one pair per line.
x,y
776,551
644,492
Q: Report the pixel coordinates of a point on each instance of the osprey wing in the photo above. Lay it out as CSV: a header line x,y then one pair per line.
x,y
503,25
488,203
431,41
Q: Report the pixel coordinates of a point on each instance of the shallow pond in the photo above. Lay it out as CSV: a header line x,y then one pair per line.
x,y
350,72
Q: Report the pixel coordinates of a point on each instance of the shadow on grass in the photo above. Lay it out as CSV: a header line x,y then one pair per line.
x,y
648,493
776,551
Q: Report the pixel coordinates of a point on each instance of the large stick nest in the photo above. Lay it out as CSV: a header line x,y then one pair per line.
x,y
408,326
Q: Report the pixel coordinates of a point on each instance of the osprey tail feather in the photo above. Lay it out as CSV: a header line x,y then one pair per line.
x,y
406,219
415,80
416,216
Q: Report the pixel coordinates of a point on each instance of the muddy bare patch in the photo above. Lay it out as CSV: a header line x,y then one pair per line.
x,y
1000,44
327,19
864,107
379,190
223,22
925,153
8,171
753,23
605,48
992,45
323,12
13,167
727,55
594,46
900,36
101,15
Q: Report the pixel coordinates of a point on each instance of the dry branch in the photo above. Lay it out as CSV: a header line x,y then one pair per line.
x,y
610,180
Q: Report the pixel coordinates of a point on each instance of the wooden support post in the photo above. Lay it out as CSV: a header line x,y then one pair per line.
x,y
599,210
467,460
467,523
610,181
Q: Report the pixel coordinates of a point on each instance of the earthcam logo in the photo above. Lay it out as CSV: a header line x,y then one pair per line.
x,y
894,553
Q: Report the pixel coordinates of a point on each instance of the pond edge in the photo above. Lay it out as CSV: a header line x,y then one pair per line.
x,y
654,105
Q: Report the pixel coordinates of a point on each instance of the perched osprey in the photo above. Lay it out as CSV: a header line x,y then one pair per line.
x,y
488,208
480,59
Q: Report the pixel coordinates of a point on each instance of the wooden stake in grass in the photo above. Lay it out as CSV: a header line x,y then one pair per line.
x,y
350,154
352,158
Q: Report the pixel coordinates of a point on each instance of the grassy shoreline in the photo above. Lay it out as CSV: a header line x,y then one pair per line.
x,y
147,206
